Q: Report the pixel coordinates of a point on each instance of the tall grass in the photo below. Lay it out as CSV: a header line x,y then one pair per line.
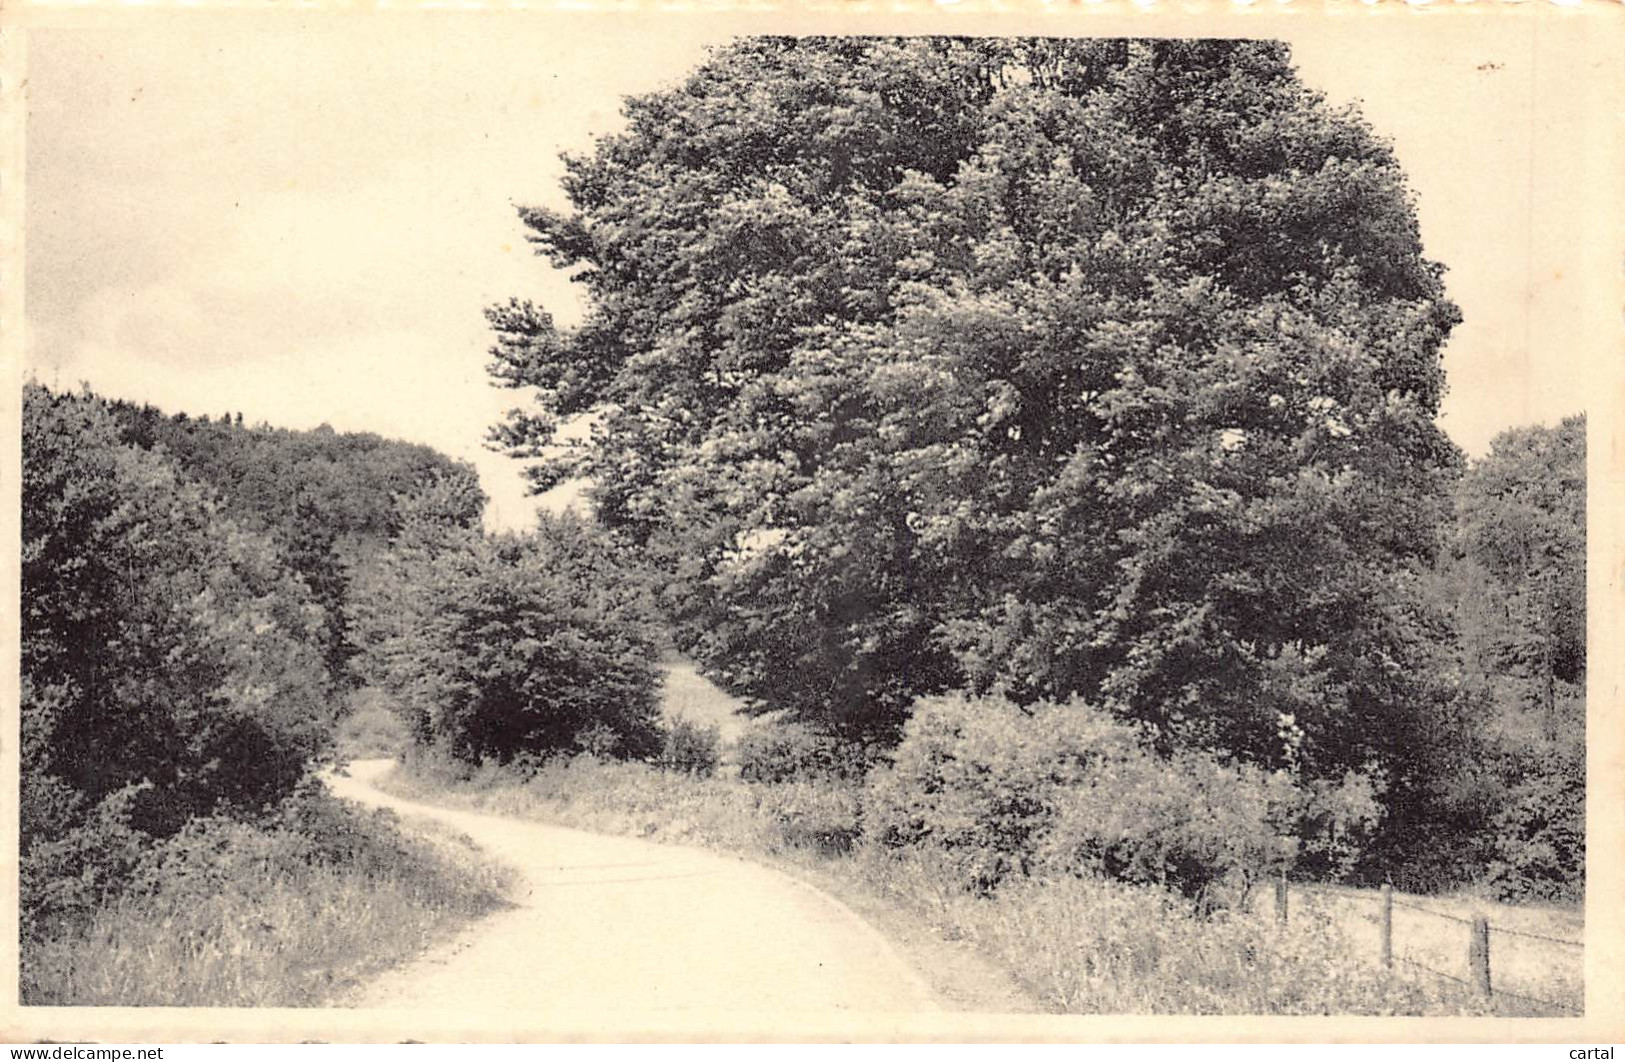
x,y
1075,945
290,914
1089,946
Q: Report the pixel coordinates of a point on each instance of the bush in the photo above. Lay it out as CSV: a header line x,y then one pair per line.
x,y
691,748
66,873
597,739
774,749
979,779
1333,821
1000,790
1184,824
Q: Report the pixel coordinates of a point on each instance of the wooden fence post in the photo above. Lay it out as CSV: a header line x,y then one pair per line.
x,y
1280,898
1478,956
1387,924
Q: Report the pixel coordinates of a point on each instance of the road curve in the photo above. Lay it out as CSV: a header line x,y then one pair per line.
x,y
603,922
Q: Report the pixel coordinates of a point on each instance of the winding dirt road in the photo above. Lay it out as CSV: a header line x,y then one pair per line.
x,y
613,921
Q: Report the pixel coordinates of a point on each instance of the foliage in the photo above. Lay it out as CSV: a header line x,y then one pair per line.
x,y
78,865
1188,824
291,911
1539,836
171,665
691,748
994,791
496,645
979,781
1095,367
325,499
1521,526
1332,822
1505,798
775,749
597,739
270,479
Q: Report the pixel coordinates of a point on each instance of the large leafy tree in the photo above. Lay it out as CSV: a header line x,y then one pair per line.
x,y
1099,367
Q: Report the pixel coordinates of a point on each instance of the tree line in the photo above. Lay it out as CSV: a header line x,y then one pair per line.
x,y
184,646
201,597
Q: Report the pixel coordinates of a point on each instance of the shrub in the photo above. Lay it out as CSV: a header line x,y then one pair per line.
x,y
1002,790
66,873
1184,824
978,779
774,749
597,739
1332,821
691,748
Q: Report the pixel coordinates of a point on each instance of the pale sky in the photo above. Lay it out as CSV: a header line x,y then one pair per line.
x,y
302,217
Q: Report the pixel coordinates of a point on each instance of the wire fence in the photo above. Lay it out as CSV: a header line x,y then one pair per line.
x,y
1498,929
1479,980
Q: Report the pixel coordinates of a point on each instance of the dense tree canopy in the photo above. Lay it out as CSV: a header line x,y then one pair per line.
x,y
1522,521
169,660
325,498
265,475
1099,367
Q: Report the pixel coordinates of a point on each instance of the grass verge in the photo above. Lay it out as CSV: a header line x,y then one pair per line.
x,y
291,913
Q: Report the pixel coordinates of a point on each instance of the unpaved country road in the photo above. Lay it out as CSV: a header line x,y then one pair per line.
x,y
614,921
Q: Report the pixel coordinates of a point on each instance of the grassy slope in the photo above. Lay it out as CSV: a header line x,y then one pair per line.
x,y
686,694
260,918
